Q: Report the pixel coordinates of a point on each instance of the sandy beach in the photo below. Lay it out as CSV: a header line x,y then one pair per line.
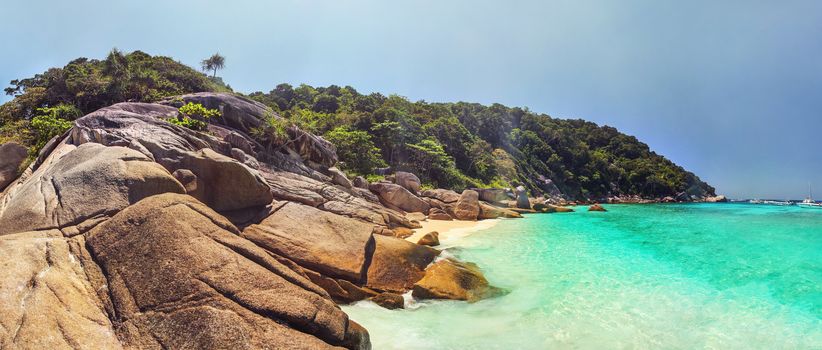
x,y
449,230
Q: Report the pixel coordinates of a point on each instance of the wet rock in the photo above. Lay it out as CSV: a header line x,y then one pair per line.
x,y
389,301
596,207
450,279
430,239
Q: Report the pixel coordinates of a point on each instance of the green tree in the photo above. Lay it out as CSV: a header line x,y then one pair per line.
x,y
356,150
213,63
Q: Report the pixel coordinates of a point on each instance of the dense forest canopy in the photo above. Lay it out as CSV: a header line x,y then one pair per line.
x,y
452,145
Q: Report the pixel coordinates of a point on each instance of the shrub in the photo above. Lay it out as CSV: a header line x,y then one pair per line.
x,y
194,116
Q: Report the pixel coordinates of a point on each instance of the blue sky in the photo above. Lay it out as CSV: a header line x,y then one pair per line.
x,y
731,90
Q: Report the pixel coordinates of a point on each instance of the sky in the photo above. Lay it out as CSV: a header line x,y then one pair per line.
x,y
731,90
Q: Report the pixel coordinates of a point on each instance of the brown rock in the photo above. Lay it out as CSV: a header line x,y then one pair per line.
x,y
333,245
339,178
397,264
488,211
12,155
438,214
179,276
450,279
389,301
596,207
47,301
408,181
402,232
559,209
445,196
394,195
467,207
431,239
360,182
493,195
89,181
186,178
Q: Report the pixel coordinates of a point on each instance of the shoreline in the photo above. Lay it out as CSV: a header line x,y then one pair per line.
x,y
451,230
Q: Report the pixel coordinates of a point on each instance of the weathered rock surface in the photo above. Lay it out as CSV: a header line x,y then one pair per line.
x,y
397,264
493,195
408,181
339,178
360,182
450,279
488,211
393,195
714,199
330,244
12,156
47,301
439,214
87,182
442,195
430,239
467,207
179,276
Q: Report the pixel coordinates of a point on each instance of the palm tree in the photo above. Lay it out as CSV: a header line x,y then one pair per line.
x,y
213,63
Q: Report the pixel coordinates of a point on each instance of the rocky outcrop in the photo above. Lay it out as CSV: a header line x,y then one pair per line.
x,y
12,156
397,264
339,178
488,211
88,182
389,301
467,207
360,182
176,274
408,181
596,207
439,214
522,198
450,279
395,196
431,239
716,199
47,301
494,195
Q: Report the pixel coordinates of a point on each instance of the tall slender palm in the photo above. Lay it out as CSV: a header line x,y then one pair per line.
x,y
213,63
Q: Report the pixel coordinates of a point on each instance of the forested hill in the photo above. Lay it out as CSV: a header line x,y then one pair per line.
x,y
451,145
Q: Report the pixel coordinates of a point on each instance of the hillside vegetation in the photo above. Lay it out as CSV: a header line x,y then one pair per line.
x,y
451,145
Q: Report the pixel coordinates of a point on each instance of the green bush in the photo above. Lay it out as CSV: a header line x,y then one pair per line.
x,y
194,116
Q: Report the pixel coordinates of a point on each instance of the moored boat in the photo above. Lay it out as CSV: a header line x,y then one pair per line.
x,y
809,202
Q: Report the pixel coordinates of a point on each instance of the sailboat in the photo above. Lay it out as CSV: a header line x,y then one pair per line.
x,y
809,202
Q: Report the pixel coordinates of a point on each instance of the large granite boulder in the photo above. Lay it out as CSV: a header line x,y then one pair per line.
x,y
339,178
396,196
467,207
222,182
47,301
439,214
488,211
493,195
175,274
442,195
87,182
333,245
408,181
451,279
12,155
522,198
397,264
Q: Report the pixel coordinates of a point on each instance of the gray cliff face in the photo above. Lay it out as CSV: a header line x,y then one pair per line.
x,y
131,232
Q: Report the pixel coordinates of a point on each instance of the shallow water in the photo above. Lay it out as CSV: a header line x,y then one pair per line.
x,y
678,276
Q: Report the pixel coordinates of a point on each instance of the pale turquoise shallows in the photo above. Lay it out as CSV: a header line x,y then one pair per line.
x,y
691,276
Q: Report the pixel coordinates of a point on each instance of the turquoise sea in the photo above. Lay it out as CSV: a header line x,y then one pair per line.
x,y
668,276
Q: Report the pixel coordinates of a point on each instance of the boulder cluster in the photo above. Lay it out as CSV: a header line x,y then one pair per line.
x,y
131,232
